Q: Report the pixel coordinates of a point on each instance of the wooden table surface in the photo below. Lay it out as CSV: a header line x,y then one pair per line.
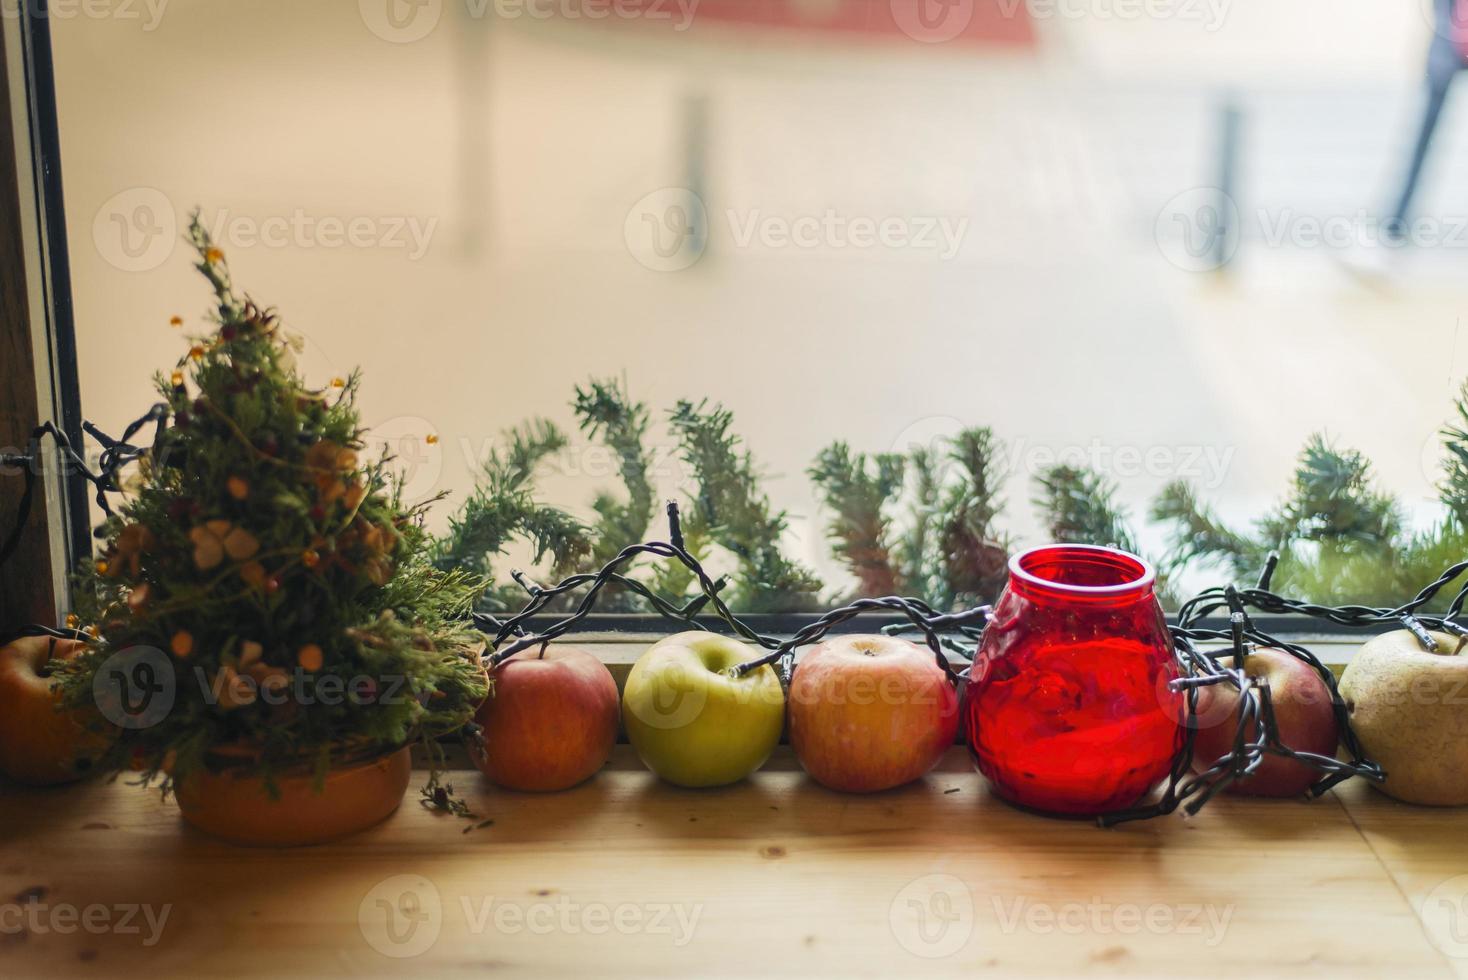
x,y
628,877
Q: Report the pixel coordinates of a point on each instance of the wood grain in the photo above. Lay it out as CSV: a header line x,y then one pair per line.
x,y
773,877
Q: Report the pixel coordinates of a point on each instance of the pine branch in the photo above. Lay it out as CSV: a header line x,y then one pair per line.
x,y
738,514
975,558
1453,491
502,507
607,413
858,491
918,552
1078,506
1198,535
1333,499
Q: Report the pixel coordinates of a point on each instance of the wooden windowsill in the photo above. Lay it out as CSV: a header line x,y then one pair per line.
x,y
785,878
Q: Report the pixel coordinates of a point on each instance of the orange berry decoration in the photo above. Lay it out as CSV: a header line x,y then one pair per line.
x,y
310,558
175,321
238,486
310,657
182,644
431,439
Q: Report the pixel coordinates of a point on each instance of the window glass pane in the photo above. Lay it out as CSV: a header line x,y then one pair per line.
x,y
1144,241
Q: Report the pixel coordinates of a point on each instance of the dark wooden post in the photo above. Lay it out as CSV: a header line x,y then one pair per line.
x,y
26,592
38,378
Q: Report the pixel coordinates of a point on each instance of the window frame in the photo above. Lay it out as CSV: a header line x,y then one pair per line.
x,y
37,316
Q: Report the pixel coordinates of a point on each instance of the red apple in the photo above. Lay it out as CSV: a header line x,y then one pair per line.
x,y
550,720
39,743
1302,710
868,713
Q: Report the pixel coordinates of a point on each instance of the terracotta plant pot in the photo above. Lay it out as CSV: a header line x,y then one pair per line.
x,y
237,808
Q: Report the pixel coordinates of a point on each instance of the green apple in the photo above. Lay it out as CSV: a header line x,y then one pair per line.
x,y
694,722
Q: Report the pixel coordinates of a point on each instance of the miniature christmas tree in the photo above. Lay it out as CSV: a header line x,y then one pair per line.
x,y
275,569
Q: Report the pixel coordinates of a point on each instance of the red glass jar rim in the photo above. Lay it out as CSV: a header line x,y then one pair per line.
x,y
1134,573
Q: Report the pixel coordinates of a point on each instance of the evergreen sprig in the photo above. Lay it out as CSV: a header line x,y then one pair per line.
x,y
503,507
1453,490
734,512
607,413
944,547
975,556
1078,506
859,491
1339,537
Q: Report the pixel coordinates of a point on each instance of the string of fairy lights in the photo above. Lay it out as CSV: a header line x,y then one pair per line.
x,y
1205,657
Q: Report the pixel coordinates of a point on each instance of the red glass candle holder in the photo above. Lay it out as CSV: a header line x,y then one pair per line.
x,y
1069,710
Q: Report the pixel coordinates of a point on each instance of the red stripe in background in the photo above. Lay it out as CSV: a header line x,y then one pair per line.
x,y
974,22
980,22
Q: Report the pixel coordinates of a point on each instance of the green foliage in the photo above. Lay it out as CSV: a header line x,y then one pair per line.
x,y
277,569
1340,539
948,551
730,511
503,507
1333,500
733,512
1453,491
1198,535
1078,506
858,490
974,558
607,413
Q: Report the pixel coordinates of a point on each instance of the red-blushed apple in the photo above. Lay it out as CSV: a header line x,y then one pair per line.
x,y
868,713
41,744
1302,710
550,720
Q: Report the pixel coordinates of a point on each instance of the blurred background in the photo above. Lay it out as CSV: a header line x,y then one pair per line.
x,y
1140,238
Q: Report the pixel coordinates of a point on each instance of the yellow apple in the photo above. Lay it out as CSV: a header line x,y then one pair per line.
x,y
695,723
40,743
1409,708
